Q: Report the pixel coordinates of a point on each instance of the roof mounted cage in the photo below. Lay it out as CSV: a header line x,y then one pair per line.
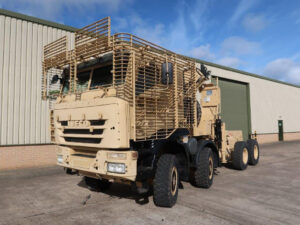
x,y
92,40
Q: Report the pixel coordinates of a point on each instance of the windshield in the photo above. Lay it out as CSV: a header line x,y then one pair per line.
x,y
65,88
102,77
83,80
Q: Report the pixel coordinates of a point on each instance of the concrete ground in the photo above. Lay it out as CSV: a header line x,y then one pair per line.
x,y
268,193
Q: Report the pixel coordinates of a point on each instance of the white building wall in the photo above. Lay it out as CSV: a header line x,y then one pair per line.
x,y
270,101
24,117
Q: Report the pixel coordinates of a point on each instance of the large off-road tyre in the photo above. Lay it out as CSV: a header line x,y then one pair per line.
x,y
203,175
253,149
97,184
166,181
240,155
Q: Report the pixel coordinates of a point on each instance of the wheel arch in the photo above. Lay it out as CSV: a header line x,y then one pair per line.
x,y
210,144
182,155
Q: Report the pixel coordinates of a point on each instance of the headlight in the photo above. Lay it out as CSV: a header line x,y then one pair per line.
x,y
60,159
116,167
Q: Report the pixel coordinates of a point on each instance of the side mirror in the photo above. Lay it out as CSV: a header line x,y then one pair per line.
x,y
204,71
167,73
54,79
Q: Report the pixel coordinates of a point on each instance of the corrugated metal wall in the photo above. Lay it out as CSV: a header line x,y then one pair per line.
x,y
24,117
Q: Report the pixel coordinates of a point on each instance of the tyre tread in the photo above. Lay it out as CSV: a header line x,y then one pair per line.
x,y
237,155
251,143
161,189
201,176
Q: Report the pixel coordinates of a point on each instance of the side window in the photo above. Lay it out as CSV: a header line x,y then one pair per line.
x,y
65,88
65,81
147,77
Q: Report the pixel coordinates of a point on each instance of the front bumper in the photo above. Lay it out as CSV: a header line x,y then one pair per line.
x,y
95,163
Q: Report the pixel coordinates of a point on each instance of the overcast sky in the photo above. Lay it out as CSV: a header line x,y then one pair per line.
x,y
259,36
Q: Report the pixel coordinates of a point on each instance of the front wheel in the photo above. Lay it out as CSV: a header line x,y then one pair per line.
x,y
166,180
204,173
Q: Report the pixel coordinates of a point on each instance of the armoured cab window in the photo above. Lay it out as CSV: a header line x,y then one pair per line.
x,y
147,77
82,80
102,76
65,82
65,88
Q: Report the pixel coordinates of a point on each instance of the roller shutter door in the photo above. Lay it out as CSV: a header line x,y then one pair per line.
x,y
235,108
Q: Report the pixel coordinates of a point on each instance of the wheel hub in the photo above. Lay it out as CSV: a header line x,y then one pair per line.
x,y
211,167
174,181
255,151
245,156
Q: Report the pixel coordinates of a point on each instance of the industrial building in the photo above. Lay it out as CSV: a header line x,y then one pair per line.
x,y
257,105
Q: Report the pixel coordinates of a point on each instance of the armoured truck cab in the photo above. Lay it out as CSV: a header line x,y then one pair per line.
x,y
89,131
127,110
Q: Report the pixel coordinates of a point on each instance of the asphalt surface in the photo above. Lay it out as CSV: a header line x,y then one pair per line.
x,y
268,193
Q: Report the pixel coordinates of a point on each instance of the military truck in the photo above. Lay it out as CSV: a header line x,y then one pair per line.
x,y
129,111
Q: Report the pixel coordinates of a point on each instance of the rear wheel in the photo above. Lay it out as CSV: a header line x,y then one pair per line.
x,y
240,155
204,174
253,151
165,187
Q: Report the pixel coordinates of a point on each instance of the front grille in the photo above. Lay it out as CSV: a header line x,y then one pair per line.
x,y
84,135
97,122
83,140
64,123
82,131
